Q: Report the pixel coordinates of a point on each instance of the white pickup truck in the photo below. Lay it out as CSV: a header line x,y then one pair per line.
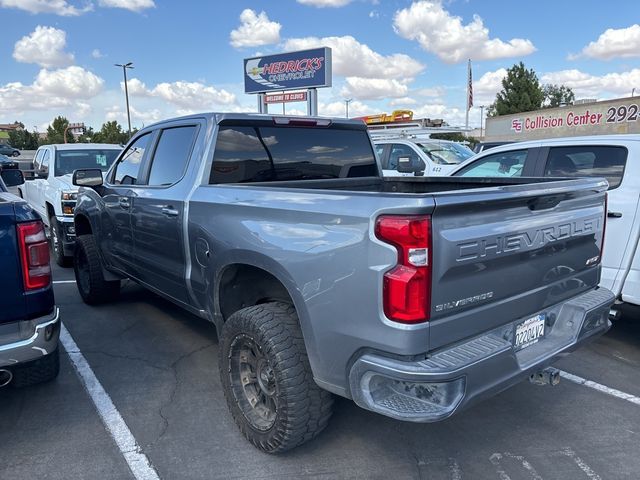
x,y
53,195
614,157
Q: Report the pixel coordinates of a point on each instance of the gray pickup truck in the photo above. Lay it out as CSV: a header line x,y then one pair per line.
x,y
415,297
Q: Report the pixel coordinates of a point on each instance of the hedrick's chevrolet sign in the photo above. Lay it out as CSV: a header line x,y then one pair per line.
x,y
595,118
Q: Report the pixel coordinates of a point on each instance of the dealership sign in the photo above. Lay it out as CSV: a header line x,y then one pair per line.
x,y
288,71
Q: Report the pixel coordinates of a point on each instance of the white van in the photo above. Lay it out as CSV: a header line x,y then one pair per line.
x,y
614,157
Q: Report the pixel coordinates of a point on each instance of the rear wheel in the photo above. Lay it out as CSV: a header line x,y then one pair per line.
x,y
93,288
267,379
41,370
56,243
16,154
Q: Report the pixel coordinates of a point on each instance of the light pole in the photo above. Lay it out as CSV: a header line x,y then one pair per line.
x,y
481,118
633,90
346,105
126,90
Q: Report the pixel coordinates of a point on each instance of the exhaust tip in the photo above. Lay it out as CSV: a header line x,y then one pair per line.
x,y
615,314
5,377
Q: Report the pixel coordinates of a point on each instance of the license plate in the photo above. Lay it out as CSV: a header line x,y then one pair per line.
x,y
529,332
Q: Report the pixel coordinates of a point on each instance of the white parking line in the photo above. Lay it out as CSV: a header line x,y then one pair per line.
x,y
599,387
55,282
138,462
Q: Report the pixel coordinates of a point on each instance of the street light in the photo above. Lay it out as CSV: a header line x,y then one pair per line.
x,y
346,104
126,90
633,90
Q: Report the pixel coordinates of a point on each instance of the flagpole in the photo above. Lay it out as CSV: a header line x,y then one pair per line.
x,y
466,122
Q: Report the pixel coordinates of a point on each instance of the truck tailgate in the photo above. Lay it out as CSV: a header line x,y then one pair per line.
x,y
506,253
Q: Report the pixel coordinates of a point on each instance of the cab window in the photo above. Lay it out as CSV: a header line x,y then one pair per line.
x,y
503,164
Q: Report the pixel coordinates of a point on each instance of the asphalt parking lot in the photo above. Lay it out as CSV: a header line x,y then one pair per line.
x,y
158,365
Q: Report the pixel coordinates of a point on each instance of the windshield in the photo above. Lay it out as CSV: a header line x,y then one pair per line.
x,y
69,160
446,153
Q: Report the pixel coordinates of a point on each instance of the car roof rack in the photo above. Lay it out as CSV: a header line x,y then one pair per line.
x,y
408,130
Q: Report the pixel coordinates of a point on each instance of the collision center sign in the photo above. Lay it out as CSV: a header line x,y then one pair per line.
x,y
594,118
288,71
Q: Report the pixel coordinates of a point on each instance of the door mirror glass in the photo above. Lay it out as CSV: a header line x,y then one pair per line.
x,y
12,177
90,177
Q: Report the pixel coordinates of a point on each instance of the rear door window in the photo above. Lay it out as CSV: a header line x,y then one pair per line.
x,y
587,161
171,155
503,164
264,153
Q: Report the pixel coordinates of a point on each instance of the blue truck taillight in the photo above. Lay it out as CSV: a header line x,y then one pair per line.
x,y
407,286
34,255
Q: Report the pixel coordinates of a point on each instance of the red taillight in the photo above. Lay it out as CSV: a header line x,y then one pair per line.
x,y
34,255
407,286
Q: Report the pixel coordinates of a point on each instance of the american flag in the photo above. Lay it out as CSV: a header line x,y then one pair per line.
x,y
469,89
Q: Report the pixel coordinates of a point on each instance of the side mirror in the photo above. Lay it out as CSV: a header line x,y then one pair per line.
x,y
410,165
12,177
90,177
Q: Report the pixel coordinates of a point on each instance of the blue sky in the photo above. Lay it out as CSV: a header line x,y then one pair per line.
x,y
57,55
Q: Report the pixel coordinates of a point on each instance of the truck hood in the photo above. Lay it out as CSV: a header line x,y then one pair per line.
x,y
64,182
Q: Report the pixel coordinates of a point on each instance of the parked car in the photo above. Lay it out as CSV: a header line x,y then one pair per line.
x,y
614,157
52,194
413,296
29,318
9,150
412,156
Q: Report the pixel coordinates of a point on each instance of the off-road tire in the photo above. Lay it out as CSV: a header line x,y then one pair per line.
x,y
302,408
41,370
92,286
56,245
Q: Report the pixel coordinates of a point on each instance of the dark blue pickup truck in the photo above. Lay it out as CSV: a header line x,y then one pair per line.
x,y
29,318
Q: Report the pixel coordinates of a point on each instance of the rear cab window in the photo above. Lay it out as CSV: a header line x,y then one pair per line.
x,y
587,161
503,164
171,155
264,153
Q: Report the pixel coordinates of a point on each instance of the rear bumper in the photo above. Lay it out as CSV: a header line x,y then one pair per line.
x,y
458,376
28,340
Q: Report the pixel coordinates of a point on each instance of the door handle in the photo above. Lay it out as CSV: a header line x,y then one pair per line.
x,y
124,202
170,211
611,214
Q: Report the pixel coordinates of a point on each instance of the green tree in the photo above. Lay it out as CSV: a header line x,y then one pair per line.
x,y
23,139
521,92
111,132
87,136
55,131
556,95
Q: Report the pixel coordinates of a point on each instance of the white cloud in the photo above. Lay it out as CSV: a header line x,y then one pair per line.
x,y
133,5
255,30
44,46
70,86
403,102
438,32
56,7
373,88
452,115
188,96
594,86
325,3
145,117
614,43
338,109
95,53
354,59
487,86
